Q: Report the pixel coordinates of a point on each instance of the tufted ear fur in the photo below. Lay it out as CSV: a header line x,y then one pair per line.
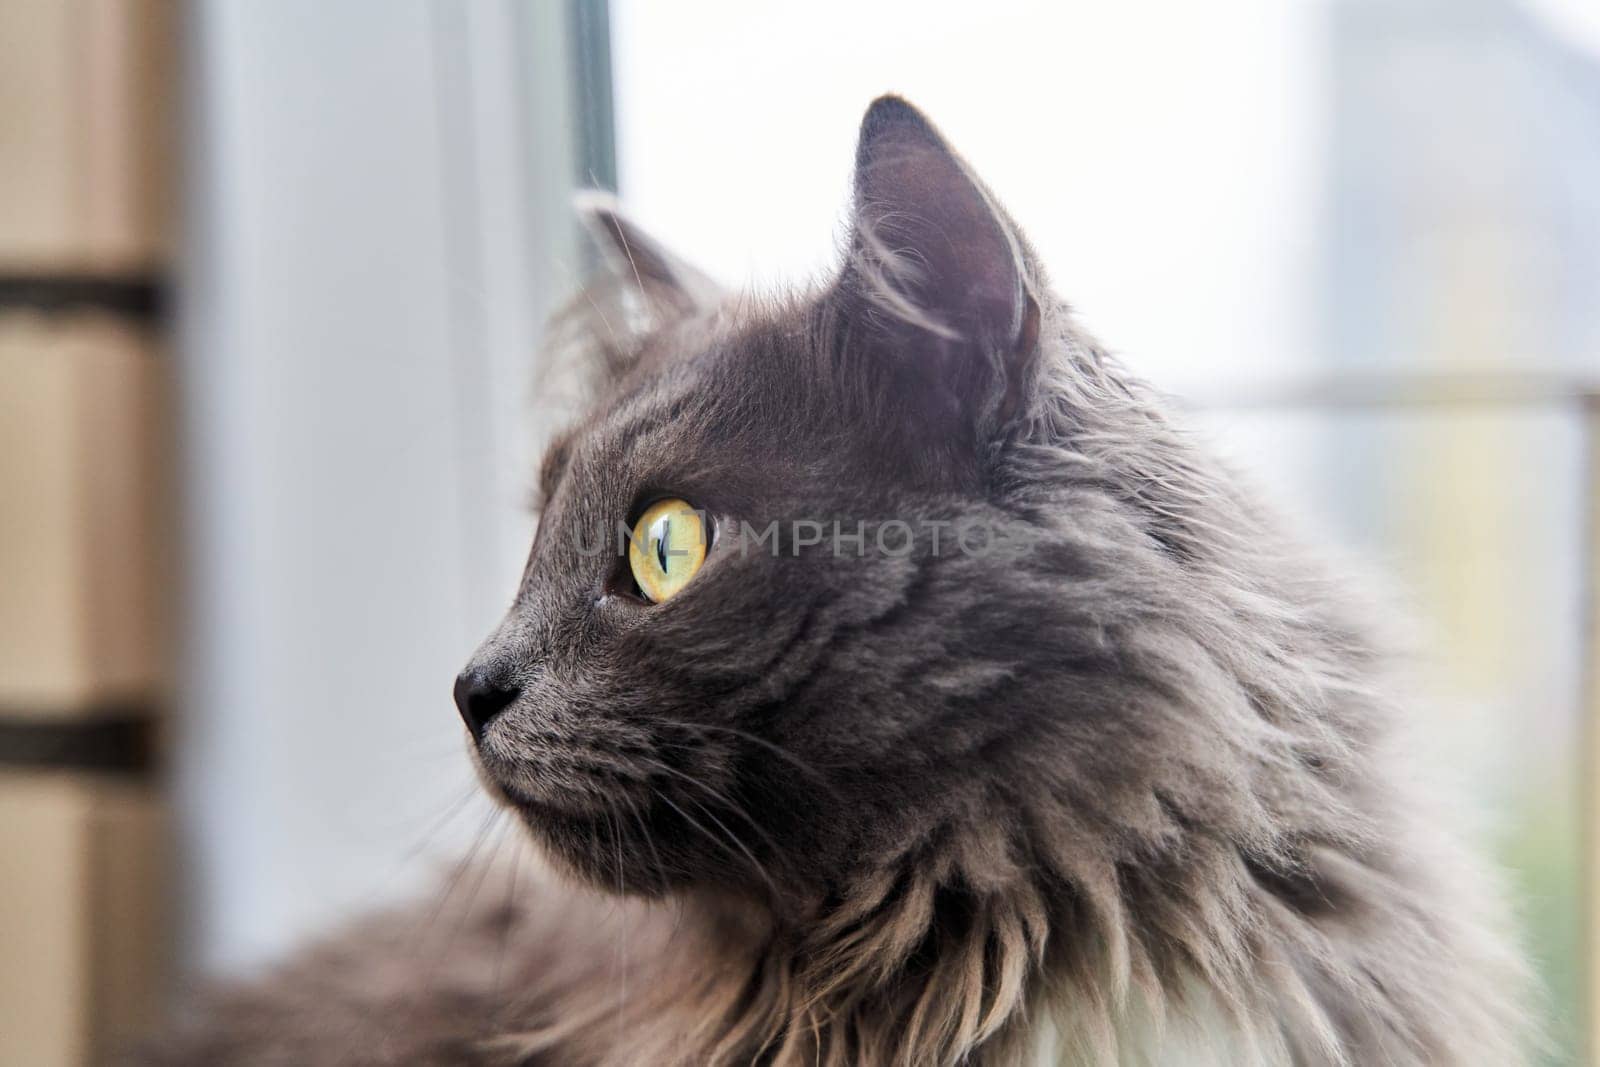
x,y
595,337
671,286
937,275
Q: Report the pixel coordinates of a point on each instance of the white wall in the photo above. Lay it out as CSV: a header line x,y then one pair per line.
x,y
376,222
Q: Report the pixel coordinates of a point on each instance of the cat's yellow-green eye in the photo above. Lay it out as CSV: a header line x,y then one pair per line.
x,y
667,548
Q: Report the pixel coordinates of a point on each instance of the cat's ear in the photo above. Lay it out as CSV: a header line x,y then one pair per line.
x,y
936,274
671,286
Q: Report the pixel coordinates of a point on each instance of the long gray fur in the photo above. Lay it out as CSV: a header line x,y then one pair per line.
x,y
1129,790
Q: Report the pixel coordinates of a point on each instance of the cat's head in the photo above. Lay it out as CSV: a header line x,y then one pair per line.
x,y
807,698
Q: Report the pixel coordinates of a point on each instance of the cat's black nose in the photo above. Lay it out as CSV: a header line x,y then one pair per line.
x,y
481,694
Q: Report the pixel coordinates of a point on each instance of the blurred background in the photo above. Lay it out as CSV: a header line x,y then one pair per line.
x,y
272,282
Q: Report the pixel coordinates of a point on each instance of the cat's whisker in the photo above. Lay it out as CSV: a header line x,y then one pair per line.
x,y
761,742
496,841
459,870
659,868
425,926
718,795
437,824
663,876
510,918
768,786
714,839
622,926
737,840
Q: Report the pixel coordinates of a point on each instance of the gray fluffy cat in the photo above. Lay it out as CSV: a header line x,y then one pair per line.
x,y
1115,782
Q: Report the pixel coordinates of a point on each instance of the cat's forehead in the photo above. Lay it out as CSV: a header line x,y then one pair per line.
x,y
714,383
727,366
673,374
